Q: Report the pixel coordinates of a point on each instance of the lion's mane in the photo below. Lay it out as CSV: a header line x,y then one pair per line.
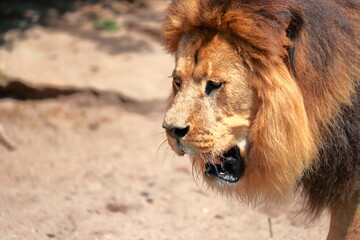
x,y
318,42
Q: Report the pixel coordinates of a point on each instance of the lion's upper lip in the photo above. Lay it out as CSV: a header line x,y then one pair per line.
x,y
230,168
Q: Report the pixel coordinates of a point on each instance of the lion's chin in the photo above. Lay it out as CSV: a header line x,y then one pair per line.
x,y
229,168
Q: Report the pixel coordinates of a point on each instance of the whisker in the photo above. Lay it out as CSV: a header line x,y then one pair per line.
x,y
161,145
173,162
166,152
195,173
159,148
159,133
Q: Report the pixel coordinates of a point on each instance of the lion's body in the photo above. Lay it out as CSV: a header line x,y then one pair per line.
x,y
293,68
337,171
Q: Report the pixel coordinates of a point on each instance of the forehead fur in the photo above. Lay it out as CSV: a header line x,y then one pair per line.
x,y
259,26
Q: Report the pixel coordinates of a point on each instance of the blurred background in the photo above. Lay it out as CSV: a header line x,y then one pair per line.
x,y
83,88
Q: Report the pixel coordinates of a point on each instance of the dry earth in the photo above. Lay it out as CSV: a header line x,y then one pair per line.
x,y
89,163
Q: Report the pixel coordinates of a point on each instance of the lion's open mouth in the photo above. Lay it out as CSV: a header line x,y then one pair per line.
x,y
230,168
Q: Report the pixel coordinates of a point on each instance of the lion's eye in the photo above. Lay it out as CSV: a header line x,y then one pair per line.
x,y
176,83
211,86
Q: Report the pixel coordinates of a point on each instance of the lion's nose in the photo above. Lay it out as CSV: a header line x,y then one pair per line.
x,y
177,132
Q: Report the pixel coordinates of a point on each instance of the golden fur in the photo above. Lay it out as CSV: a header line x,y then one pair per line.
x,y
289,74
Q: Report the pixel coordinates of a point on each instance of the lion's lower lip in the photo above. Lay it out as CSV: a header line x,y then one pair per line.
x,y
230,169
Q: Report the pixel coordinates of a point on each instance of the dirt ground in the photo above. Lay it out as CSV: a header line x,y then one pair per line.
x,y
89,161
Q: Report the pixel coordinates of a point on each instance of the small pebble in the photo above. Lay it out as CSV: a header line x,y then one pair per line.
x,y
205,211
115,207
217,216
145,193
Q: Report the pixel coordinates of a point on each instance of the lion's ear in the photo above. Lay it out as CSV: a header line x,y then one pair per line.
x,y
292,32
294,26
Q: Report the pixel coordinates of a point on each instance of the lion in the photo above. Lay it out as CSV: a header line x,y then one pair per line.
x,y
265,101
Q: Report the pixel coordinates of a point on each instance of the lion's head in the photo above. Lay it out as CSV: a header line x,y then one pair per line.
x,y
236,108
213,105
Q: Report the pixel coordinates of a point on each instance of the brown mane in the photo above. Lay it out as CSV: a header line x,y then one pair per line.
x,y
321,52
319,43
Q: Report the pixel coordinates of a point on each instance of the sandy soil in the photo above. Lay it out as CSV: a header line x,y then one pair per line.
x,y
93,166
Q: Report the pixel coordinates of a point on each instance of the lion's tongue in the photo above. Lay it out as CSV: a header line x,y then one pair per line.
x,y
217,160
